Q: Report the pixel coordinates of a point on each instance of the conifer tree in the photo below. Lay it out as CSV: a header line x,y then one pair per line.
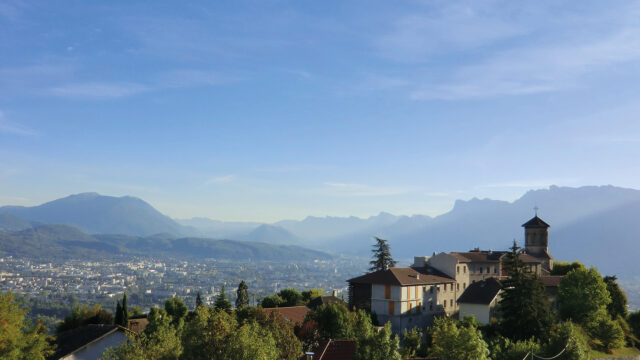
x,y
125,312
199,300
118,319
618,305
242,295
222,303
382,259
524,305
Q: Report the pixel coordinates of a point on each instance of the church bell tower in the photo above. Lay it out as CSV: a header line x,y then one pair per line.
x,y
536,240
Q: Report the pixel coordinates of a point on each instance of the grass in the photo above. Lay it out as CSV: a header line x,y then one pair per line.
x,y
616,352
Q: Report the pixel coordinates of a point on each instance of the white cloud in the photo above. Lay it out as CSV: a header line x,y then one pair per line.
x,y
9,127
220,179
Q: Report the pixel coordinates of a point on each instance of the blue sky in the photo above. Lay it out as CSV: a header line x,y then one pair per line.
x,y
265,110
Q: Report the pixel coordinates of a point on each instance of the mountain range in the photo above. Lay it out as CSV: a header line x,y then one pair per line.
x,y
594,224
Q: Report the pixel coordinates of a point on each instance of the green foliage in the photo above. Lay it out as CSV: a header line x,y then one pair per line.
x,y
287,344
207,334
159,341
608,332
410,343
453,342
573,337
199,300
83,315
251,342
19,341
525,308
334,321
505,349
242,295
634,323
222,303
177,310
308,295
618,305
125,311
272,301
583,296
119,314
382,345
291,297
562,268
382,259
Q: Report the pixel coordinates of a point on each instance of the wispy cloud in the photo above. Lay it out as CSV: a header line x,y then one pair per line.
x,y
345,189
9,127
220,179
98,90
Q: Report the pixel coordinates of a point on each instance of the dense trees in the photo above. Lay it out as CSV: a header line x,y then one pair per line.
x,y
525,308
83,315
583,296
618,305
290,297
222,303
382,259
18,340
452,341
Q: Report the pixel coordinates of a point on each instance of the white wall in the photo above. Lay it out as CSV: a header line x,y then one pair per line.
x,y
480,311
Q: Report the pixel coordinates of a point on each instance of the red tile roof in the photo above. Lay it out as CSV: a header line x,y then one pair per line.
x,y
294,314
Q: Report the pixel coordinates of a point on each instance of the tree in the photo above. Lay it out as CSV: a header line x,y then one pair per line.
x,y
291,297
505,349
118,319
525,308
609,333
159,341
384,345
222,303
562,268
251,342
242,295
571,336
206,335
334,321
583,296
83,315
618,305
634,323
125,311
18,341
199,300
288,345
272,301
382,259
411,341
308,295
177,311
451,342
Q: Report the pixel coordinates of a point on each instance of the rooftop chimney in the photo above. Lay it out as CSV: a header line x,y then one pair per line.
x,y
335,293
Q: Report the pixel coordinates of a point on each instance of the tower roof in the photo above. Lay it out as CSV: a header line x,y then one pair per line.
x,y
536,222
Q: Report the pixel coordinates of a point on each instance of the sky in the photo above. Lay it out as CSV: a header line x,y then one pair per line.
x,y
268,110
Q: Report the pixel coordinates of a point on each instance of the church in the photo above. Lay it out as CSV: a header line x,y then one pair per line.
x,y
450,284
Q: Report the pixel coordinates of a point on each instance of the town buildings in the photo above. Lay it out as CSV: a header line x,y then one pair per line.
x,y
448,284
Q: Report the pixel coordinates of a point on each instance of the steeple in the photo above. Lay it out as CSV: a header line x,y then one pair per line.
x,y
536,240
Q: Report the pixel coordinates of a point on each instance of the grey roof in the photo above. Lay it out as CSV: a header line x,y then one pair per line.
x,y
481,292
403,276
536,222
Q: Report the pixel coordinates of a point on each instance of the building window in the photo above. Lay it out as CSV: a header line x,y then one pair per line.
x,y
464,286
415,289
464,269
431,290
419,304
451,302
391,307
387,291
409,306
480,269
495,269
458,286
444,304
458,269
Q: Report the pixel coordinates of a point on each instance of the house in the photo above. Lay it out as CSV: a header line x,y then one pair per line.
x,y
480,300
293,314
333,350
88,342
405,296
